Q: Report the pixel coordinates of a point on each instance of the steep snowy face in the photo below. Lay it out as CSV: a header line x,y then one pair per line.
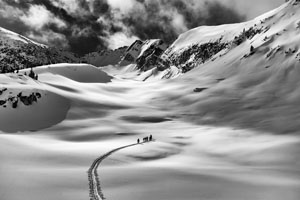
x,y
18,52
149,57
144,54
249,76
144,60
132,53
276,31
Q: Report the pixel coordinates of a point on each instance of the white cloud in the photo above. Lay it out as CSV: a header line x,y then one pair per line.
x,y
178,22
38,16
9,12
121,5
69,5
120,39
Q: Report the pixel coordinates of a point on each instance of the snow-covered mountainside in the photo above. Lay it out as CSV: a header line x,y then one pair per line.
x,y
105,57
144,60
145,54
273,38
18,52
222,104
265,37
247,74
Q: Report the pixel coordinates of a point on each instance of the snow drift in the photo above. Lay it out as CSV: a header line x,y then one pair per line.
x,y
84,73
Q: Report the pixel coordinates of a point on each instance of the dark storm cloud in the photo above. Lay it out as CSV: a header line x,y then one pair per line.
x,y
154,18
83,33
147,23
84,26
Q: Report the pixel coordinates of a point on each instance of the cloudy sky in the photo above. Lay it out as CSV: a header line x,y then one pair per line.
x,y
84,26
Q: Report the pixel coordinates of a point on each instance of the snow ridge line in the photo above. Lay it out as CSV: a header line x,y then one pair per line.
x,y
95,190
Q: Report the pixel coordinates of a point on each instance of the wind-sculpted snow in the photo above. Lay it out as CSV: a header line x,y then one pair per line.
x,y
228,129
29,107
77,72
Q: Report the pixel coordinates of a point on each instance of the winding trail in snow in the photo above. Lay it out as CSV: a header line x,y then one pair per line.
x,y
95,189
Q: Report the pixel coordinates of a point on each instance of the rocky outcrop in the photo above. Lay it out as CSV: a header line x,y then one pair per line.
x,y
189,57
2,90
151,57
132,53
27,100
246,34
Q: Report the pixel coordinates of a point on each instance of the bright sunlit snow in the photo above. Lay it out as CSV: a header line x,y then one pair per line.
x,y
228,129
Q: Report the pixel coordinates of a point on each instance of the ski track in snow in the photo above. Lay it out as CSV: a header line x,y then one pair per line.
x,y
93,177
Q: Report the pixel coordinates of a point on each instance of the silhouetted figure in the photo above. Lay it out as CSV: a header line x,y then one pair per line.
x,y
31,74
15,104
145,139
252,49
150,138
138,141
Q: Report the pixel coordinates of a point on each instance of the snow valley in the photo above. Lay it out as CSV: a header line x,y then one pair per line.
x,y
221,102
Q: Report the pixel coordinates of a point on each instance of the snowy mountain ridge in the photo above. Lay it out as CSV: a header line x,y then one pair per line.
x,y
18,52
14,36
275,32
216,41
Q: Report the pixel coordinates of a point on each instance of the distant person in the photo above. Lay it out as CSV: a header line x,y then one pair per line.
x,y
145,139
138,141
252,49
150,138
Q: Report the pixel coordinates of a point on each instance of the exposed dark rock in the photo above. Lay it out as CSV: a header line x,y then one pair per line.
x,y
151,57
25,100
197,52
15,104
38,95
28,100
4,89
2,102
199,89
247,34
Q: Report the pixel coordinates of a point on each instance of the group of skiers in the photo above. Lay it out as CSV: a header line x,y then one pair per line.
x,y
146,139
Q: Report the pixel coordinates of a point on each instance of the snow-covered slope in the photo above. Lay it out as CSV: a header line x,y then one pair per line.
x,y
83,73
244,86
275,32
30,105
227,129
18,52
143,60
